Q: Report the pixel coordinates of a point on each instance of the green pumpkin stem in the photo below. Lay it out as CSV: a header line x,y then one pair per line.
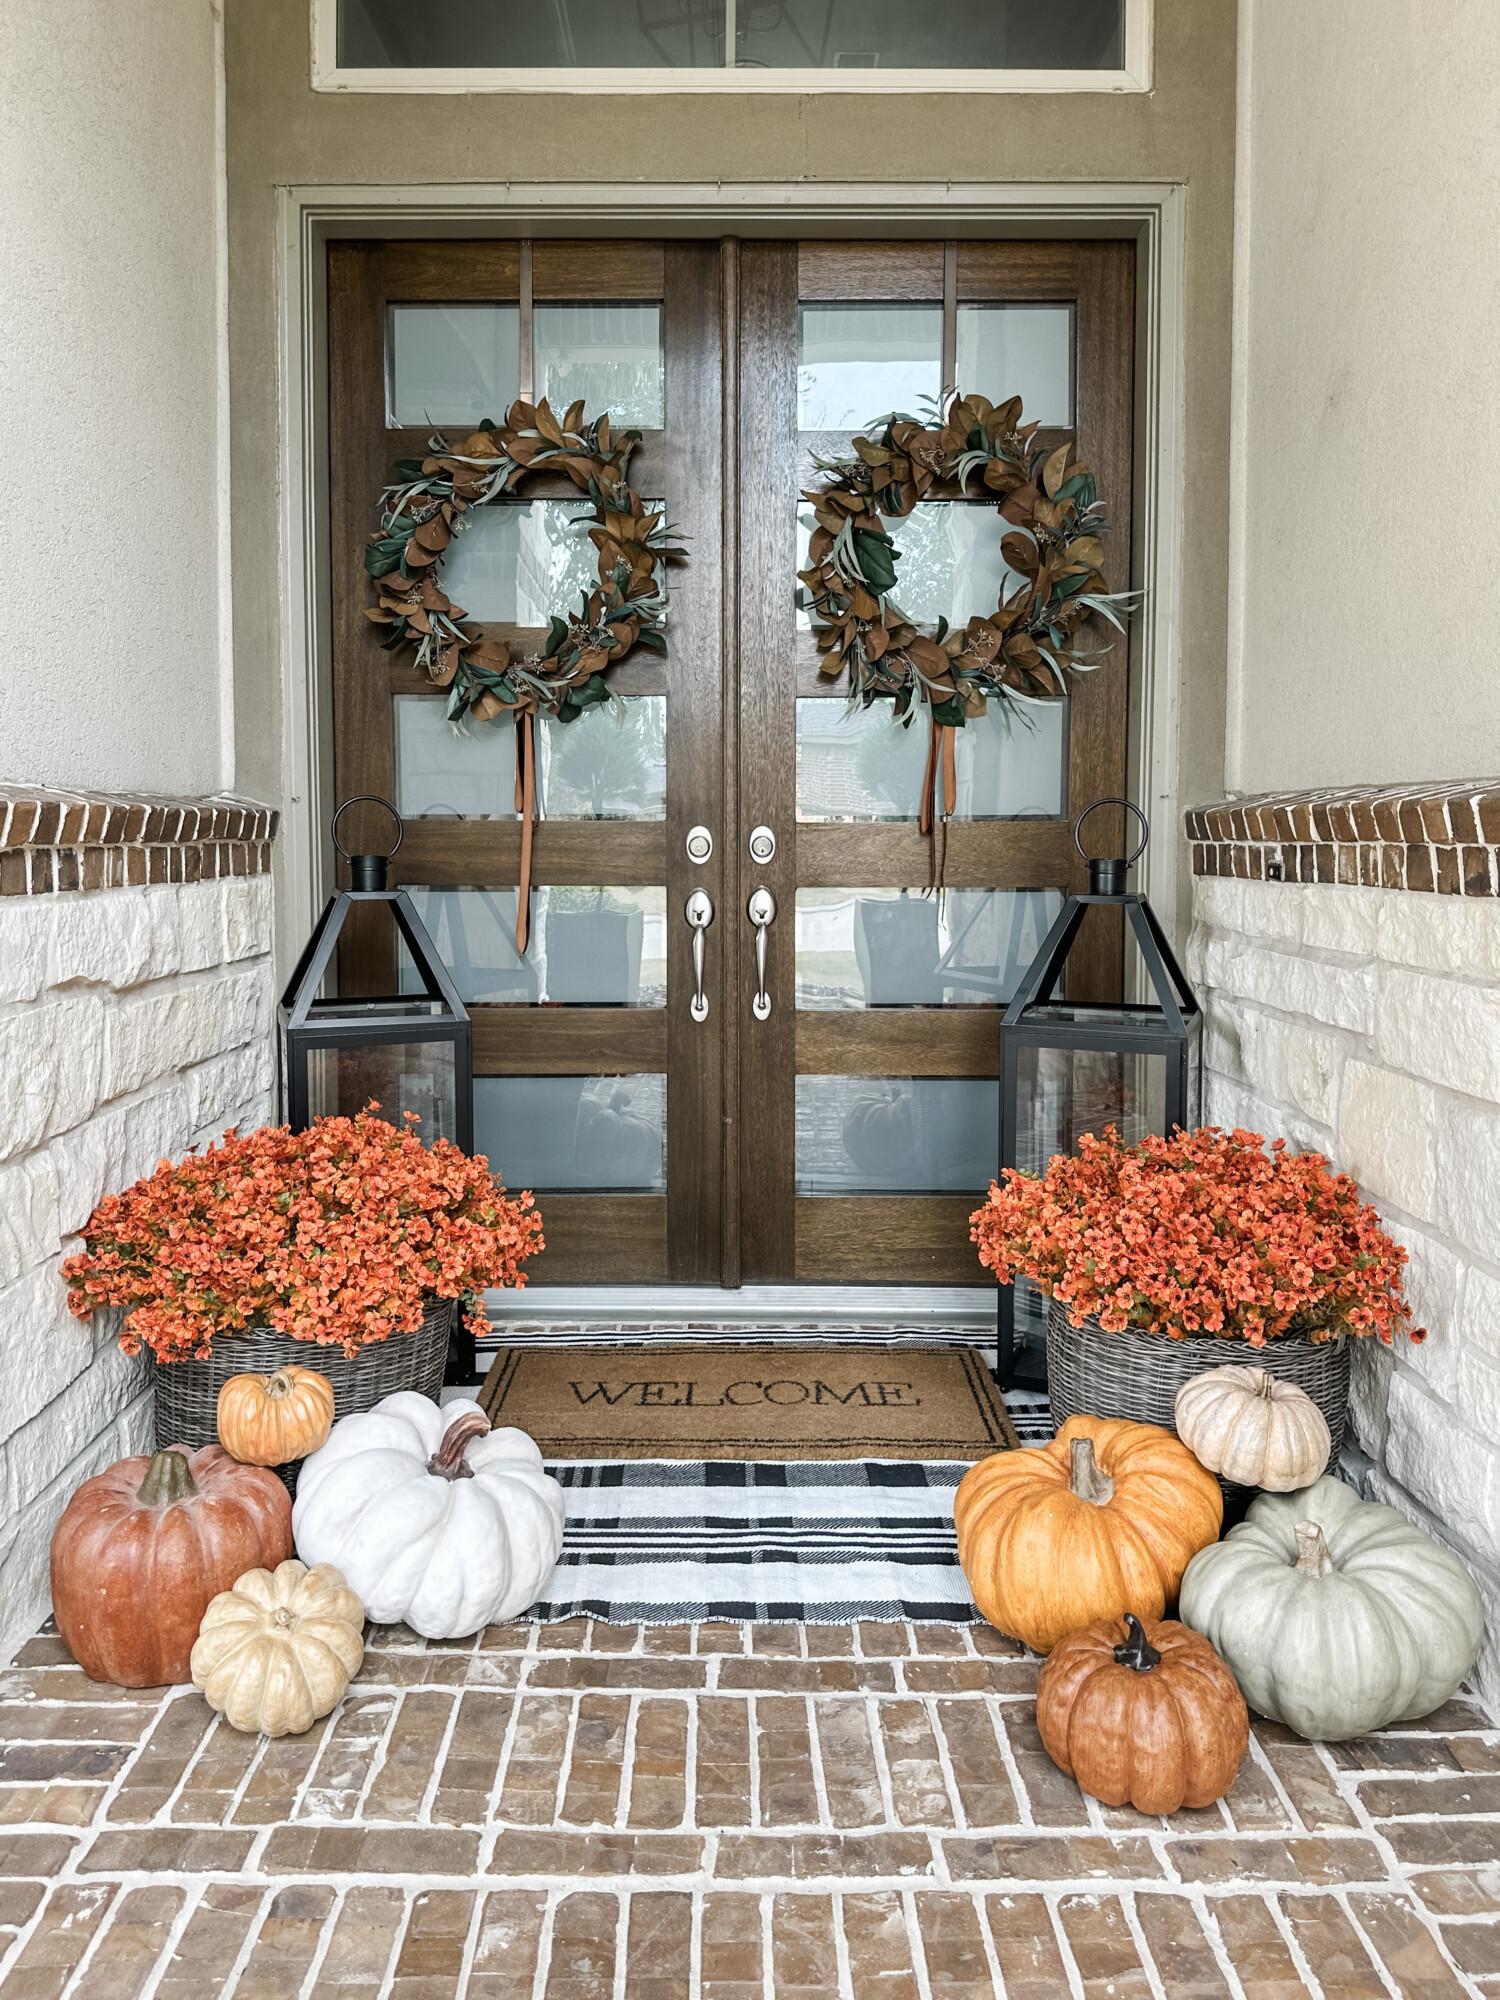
x,y
1313,1555
1137,1651
169,1478
447,1462
1085,1476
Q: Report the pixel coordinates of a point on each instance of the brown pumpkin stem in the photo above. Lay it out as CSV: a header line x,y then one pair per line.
x,y
1137,1651
1264,1384
278,1385
168,1478
447,1462
1085,1477
1313,1557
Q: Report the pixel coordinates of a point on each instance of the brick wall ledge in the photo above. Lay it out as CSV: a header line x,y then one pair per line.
x,y
57,840
1441,838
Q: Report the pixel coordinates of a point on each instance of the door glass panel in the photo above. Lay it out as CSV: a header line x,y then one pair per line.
x,y
518,562
607,354
862,764
399,1076
896,1135
453,364
608,763
574,1132
950,565
588,947
859,362
1024,351
903,948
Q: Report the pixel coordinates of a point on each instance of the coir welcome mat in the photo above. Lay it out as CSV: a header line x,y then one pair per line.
x,y
750,1402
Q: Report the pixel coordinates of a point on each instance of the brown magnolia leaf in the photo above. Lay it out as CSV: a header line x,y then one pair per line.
x,y
1020,553
434,535
1020,505
547,424
877,639
416,557
573,421
1055,469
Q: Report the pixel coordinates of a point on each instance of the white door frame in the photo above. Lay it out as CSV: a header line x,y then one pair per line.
x,y
1152,212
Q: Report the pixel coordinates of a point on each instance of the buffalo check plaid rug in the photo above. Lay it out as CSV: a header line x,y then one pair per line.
x,y
667,1542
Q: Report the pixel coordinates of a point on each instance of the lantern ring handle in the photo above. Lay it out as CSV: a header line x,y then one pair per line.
x,y
360,799
1138,851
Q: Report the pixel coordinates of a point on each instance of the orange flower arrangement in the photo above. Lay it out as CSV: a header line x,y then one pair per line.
x,y
1207,1232
340,1234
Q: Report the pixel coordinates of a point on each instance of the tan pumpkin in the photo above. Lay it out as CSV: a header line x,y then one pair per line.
x,y
272,1419
1102,1521
1145,1716
1252,1429
279,1650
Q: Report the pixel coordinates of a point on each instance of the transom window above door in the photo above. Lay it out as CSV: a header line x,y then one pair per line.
x,y
732,44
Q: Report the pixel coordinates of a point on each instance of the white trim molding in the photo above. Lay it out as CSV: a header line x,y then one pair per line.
x,y
1134,75
1153,213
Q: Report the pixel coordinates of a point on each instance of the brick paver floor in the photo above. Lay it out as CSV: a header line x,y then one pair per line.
x,y
586,1812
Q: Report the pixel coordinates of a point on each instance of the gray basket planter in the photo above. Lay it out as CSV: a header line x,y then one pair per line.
x,y
187,1392
1137,1375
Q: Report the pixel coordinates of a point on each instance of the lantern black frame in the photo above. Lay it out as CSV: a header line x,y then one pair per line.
x,y
1171,1027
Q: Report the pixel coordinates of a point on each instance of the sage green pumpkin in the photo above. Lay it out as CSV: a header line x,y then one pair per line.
x,y
1335,1614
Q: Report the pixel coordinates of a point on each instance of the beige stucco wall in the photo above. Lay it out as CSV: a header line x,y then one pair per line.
x,y
109,358
281,132
1366,595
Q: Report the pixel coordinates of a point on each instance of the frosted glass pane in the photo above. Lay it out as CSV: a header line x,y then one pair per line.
x,y
896,1135
574,1132
950,562
605,353
517,562
864,765
1024,351
608,763
859,362
453,364
588,947
905,948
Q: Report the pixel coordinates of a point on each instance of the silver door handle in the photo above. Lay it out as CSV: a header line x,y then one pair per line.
x,y
762,913
700,914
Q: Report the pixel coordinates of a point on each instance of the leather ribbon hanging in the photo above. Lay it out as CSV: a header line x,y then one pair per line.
x,y
526,810
932,818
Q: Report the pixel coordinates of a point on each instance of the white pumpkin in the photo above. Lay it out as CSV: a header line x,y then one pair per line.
x,y
436,1520
1252,1429
1336,1615
280,1648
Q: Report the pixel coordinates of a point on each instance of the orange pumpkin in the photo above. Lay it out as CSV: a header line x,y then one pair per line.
x,y
144,1547
1148,1716
272,1419
1103,1520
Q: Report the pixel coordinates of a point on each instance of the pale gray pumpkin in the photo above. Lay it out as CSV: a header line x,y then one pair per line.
x,y
1252,1429
1336,1615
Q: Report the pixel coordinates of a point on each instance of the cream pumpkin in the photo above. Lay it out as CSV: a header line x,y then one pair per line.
x,y
279,1649
272,1419
1252,1429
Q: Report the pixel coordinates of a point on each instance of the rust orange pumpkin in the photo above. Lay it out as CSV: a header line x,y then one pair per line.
x,y
1102,1521
1145,1716
144,1547
272,1419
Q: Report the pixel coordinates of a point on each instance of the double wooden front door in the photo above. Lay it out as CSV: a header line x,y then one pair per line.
x,y
838,1122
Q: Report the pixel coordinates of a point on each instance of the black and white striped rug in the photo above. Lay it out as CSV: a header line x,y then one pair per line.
x,y
663,1542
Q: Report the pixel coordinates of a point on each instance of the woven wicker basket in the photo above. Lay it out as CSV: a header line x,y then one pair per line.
x,y
1137,1375
187,1392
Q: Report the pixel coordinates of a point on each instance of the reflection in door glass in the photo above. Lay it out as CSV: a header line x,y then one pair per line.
x,y
608,763
453,364
604,354
896,1134
907,948
950,561
1024,351
588,947
857,363
865,765
574,1132
519,561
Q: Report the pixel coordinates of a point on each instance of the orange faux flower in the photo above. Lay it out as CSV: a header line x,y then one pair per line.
x,y
1207,1232
339,1234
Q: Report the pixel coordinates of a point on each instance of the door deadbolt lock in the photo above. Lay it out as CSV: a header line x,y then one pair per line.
x,y
762,844
699,844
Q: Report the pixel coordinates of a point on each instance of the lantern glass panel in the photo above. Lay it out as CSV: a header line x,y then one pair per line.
x,y
401,1076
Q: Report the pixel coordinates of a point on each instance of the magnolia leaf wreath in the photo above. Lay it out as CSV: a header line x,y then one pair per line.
x,y
1021,651
431,500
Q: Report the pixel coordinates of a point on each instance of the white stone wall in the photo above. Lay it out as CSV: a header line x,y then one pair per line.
x,y
134,1023
1365,1023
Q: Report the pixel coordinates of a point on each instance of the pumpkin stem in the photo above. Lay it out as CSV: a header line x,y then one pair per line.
x,y
168,1478
447,1462
1085,1478
1264,1383
278,1385
1313,1557
1137,1651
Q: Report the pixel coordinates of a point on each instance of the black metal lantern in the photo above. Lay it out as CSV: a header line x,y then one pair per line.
x,y
1071,1067
410,1051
